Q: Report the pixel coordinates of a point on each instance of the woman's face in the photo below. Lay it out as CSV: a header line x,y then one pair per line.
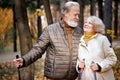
x,y
88,26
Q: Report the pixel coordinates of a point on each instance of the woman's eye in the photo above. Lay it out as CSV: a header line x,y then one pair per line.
x,y
90,22
85,22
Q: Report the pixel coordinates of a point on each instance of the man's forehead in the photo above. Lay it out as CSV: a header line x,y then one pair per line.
x,y
75,8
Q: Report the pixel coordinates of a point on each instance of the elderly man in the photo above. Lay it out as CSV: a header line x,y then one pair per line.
x,y
60,41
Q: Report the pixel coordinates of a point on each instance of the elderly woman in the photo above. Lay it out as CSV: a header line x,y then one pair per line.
x,y
96,56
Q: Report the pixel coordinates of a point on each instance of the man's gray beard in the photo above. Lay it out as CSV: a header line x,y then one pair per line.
x,y
72,23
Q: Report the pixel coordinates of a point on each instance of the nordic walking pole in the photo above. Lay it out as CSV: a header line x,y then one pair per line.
x,y
17,56
80,74
95,75
95,78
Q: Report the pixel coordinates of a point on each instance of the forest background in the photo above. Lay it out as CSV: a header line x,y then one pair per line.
x,y
22,22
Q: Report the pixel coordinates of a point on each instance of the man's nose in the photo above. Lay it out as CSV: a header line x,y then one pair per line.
x,y
77,17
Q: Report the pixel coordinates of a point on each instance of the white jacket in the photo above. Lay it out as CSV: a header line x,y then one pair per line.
x,y
99,50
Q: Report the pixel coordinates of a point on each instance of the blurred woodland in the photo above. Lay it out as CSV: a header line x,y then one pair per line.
x,y
22,22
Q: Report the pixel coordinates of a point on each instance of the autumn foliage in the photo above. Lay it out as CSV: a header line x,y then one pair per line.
x,y
6,21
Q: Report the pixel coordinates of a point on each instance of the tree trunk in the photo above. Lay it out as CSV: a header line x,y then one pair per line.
x,y
14,31
62,3
24,36
116,18
46,4
39,24
81,22
100,8
92,8
108,18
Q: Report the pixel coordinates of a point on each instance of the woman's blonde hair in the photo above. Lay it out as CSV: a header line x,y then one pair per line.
x,y
97,23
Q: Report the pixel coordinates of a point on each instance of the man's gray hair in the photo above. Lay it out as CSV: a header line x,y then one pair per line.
x,y
68,6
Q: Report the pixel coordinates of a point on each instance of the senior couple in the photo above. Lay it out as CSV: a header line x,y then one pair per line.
x,y
72,51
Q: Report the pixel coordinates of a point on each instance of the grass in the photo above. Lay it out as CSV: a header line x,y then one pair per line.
x,y
8,49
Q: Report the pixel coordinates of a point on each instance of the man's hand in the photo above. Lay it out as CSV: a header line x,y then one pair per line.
x,y
18,62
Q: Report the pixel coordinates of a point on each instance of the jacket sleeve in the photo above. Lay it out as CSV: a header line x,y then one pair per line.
x,y
109,56
38,49
77,67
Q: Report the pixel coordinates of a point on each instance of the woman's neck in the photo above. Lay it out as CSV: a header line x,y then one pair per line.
x,y
88,36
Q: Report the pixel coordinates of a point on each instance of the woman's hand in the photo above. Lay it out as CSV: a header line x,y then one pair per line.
x,y
94,66
82,64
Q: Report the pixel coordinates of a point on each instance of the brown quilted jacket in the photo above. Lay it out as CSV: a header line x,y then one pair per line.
x,y
59,63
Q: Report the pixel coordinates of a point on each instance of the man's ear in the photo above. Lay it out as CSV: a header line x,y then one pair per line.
x,y
65,13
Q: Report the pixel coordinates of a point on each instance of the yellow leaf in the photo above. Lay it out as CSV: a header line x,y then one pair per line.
x,y
39,12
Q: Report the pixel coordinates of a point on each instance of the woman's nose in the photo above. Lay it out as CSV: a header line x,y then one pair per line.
x,y
86,23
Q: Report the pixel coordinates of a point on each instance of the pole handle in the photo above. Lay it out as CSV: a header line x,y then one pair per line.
x,y
17,56
19,77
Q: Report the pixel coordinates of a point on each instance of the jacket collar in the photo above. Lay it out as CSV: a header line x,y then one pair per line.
x,y
82,42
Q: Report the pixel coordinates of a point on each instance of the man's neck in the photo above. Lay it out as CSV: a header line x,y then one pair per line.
x,y
65,24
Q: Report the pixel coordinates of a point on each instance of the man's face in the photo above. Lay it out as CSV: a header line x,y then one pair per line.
x,y
72,16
